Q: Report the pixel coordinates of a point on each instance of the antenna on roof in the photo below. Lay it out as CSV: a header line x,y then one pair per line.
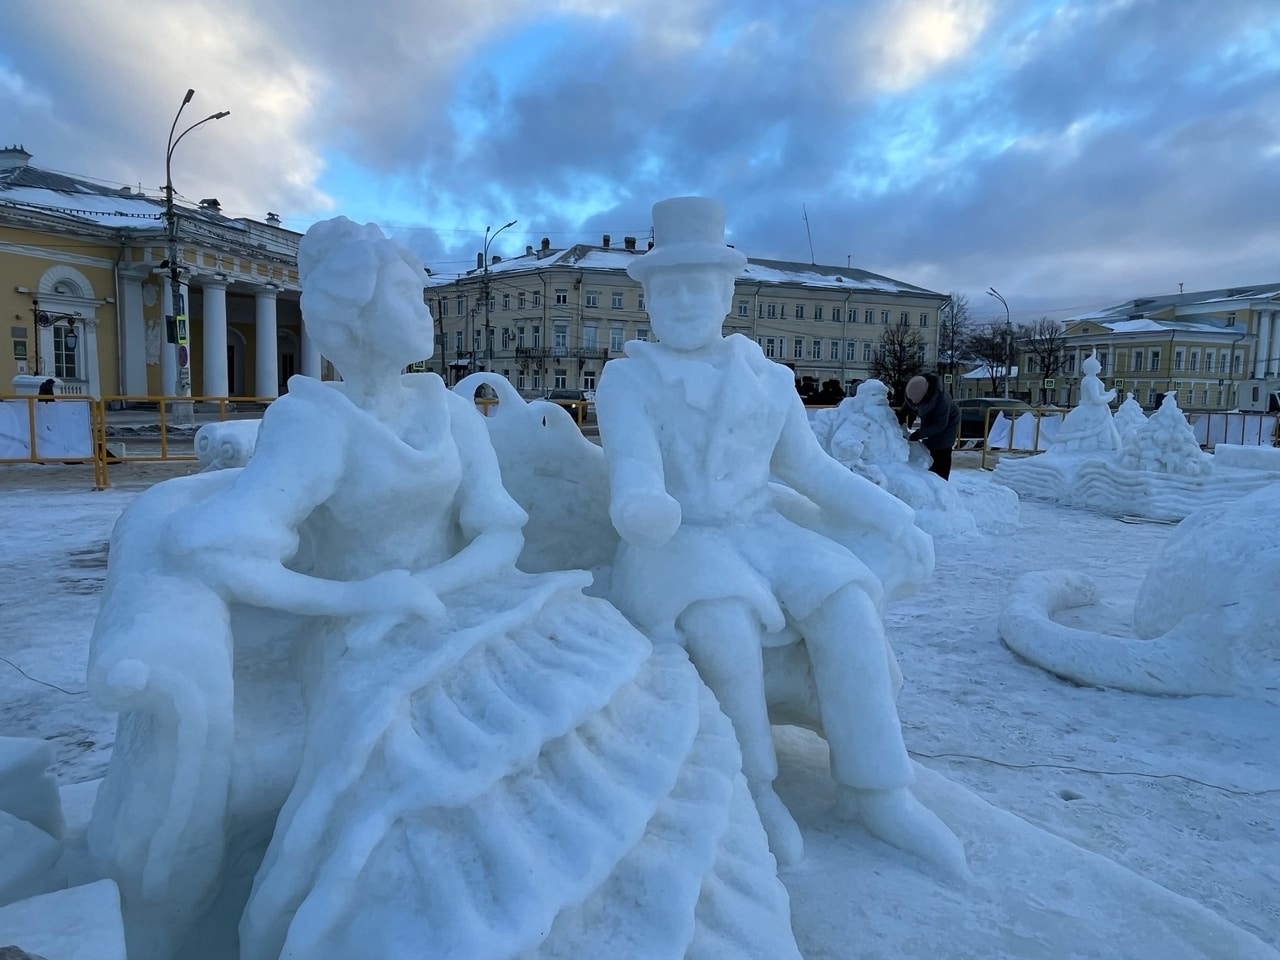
x,y
807,233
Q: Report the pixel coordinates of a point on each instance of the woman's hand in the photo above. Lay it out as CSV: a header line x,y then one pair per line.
x,y
399,592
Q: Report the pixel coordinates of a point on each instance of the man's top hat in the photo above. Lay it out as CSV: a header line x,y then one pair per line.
x,y
687,231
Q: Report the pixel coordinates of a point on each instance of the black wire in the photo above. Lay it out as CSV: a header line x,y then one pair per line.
x,y
70,693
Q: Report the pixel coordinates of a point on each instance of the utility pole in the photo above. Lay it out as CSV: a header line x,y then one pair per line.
x,y
484,285
1008,340
181,328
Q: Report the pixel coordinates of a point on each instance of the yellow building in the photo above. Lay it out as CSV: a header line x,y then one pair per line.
x,y
551,318
84,278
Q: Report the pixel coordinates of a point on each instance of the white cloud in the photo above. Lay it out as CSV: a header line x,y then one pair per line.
x,y
910,40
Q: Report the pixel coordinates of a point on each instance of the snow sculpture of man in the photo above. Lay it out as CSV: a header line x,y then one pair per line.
x,y
363,710
694,428
866,435
1089,428
1166,443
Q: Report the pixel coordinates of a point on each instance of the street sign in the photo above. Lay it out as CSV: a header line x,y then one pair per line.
x,y
1050,383
947,378
1119,382
181,331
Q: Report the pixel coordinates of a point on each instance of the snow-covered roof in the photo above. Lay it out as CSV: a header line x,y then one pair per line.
x,y
1213,301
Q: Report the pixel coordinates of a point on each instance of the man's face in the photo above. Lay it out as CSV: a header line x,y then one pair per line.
x,y
687,305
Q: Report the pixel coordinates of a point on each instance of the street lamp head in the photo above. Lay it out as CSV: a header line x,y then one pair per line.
x,y
221,113
187,98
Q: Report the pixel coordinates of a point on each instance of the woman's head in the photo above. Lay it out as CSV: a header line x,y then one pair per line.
x,y
362,296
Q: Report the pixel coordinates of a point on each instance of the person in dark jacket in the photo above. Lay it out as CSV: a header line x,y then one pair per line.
x,y
45,393
939,420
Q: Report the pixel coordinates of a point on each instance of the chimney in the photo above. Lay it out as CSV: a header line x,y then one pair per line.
x,y
650,247
605,243
13,156
545,248
211,204
495,259
480,261
273,218
528,250
629,242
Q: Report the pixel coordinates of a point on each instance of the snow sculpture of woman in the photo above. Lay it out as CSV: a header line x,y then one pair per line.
x,y
481,762
1089,428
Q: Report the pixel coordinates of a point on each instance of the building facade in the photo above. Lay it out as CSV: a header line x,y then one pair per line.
x,y
84,276
550,319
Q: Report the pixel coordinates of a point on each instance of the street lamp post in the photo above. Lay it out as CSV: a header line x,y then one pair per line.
x,y
46,318
179,317
1008,339
484,282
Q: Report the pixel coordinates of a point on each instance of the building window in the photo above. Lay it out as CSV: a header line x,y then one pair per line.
x,y
64,357
1208,361
815,349
797,349
520,381
833,350
520,300
537,298
640,300
866,351
475,341
506,338
1138,356
770,347
782,310
461,303
457,341
1231,319
1103,357
1194,365
835,314
799,311
759,309
615,339
1155,361
617,300
506,301
537,381
537,338
744,309
850,351
560,339
773,311
443,307
589,380
593,298
1177,359
817,312
519,337
869,316
493,304
590,337
1237,360
1222,362
924,319
562,296
904,318
560,378
884,318
642,333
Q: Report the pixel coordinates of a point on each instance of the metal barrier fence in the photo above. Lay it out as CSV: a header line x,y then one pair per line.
x,y
1040,413
53,429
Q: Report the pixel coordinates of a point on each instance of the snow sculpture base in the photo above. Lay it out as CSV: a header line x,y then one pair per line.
x,y
1191,633
1033,895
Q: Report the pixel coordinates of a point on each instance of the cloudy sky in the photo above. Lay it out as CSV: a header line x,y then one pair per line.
x,y
1069,153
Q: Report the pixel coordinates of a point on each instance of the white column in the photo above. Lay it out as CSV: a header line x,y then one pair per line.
x,y
213,349
267,378
310,354
1269,360
169,351
1263,347
91,360
133,338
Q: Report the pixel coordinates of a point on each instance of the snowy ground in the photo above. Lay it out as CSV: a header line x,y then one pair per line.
x,y
1183,792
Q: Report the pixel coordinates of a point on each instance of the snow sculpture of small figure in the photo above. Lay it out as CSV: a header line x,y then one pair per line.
x,y
1128,418
694,428
476,762
1166,443
1089,428
866,435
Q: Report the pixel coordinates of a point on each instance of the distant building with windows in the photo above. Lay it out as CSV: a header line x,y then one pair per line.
x,y
1206,345
552,318
83,275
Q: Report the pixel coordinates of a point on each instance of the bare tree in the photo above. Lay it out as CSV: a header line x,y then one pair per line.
x,y
991,346
900,357
1044,343
954,327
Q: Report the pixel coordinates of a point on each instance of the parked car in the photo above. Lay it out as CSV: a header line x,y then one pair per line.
x,y
973,414
577,403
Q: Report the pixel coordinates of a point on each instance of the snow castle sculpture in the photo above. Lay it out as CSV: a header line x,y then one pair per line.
x,y
712,556
349,726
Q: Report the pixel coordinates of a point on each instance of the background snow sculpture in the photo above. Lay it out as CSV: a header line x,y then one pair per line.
x,y
1089,427
863,433
693,428
1129,416
372,730
1166,444
1194,633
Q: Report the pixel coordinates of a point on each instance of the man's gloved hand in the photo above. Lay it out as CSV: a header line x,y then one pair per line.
x,y
915,435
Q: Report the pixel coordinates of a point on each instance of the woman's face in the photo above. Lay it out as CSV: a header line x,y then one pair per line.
x,y
399,313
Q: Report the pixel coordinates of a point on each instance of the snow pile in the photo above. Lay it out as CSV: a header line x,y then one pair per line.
x,y
31,823
1192,633
1128,418
1166,444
